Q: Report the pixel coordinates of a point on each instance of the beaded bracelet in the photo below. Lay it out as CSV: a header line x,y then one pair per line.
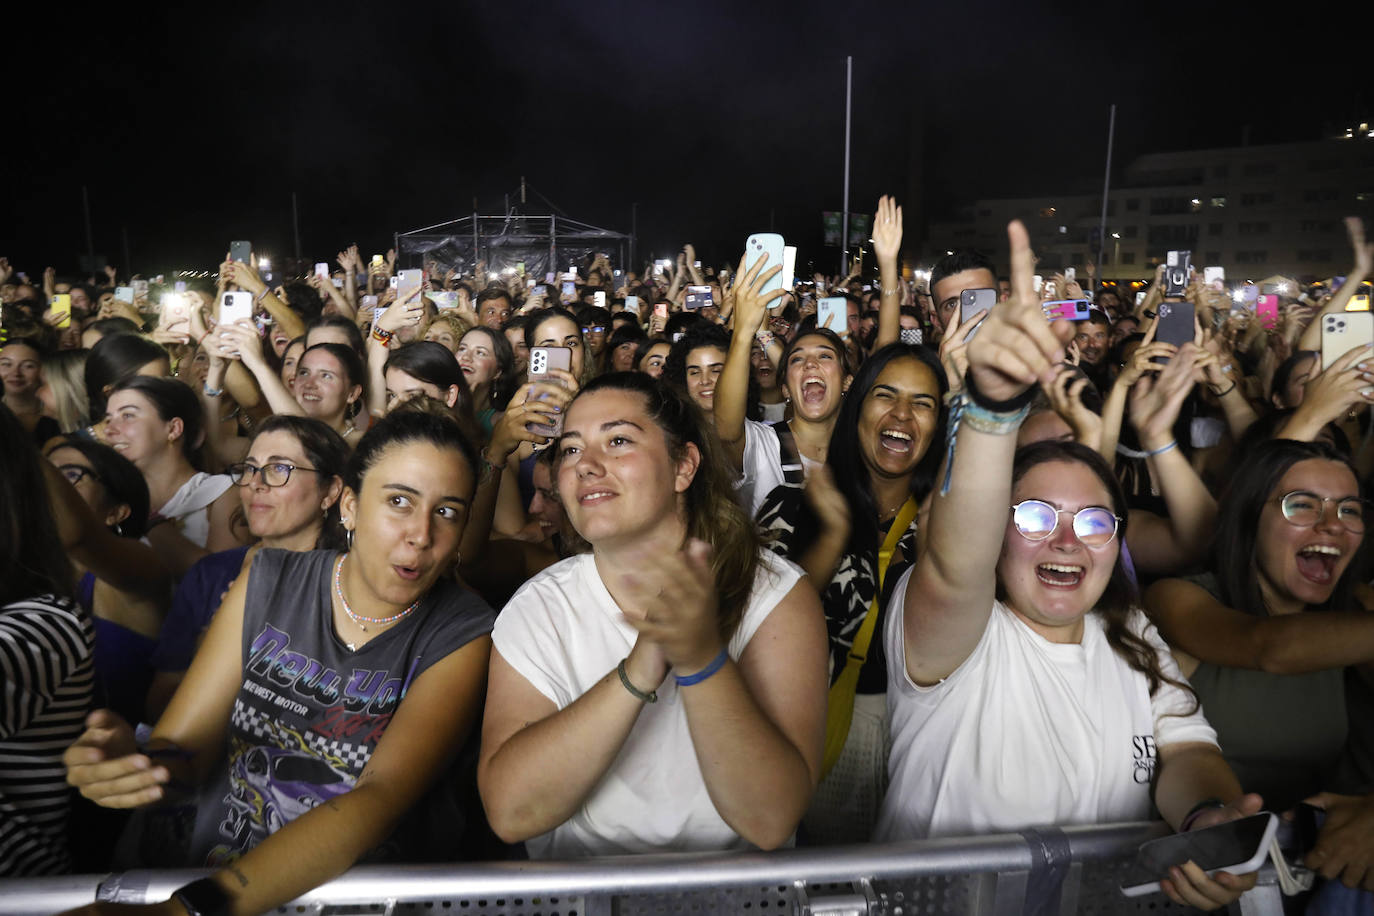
x,y
964,411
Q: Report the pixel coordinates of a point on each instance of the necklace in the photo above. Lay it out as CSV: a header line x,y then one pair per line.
x,y
359,619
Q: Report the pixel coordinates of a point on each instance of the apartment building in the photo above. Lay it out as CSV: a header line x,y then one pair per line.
x,y
1254,210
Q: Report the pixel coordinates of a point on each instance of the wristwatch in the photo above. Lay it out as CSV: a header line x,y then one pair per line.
x,y
203,897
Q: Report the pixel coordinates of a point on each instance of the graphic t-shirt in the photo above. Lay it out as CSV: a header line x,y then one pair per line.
x,y
310,712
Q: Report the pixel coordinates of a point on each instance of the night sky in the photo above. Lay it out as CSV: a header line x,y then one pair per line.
x,y
192,126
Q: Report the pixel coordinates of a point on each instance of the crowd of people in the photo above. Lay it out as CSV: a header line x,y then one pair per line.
x,y
761,580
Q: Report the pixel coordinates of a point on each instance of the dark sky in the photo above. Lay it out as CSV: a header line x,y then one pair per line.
x,y
191,126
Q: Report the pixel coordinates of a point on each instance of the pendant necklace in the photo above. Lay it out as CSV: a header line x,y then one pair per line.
x,y
361,620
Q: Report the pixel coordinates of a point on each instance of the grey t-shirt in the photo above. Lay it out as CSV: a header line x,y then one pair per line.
x,y
310,712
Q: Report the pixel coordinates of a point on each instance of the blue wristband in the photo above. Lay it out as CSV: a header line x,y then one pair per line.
x,y
716,664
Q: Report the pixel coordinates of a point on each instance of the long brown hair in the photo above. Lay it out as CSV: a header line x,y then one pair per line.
x,y
1120,598
712,513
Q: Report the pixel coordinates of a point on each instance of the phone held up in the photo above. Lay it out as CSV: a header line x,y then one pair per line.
x,y
832,313
698,297
973,301
542,360
1178,270
770,245
235,306
1343,332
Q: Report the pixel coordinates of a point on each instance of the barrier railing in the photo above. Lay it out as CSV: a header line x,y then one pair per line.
x,y
1044,871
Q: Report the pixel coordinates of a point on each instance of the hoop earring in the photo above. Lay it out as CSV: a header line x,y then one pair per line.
x,y
348,536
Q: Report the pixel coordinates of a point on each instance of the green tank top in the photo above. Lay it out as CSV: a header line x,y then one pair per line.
x,y
1282,734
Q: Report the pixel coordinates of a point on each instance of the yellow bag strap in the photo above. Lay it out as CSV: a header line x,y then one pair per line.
x,y
840,706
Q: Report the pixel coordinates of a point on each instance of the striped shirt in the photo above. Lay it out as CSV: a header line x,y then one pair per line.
x,y
45,665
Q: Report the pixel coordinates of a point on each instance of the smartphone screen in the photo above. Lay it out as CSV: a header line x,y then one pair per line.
x,y
408,283
698,297
599,298
632,304
569,289
322,270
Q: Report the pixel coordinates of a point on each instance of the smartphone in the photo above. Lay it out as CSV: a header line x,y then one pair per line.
x,y
661,310
833,312
569,289
1050,289
910,335
241,252
1070,274
322,270
1215,277
408,283
1267,309
62,302
1239,847
1343,332
1178,269
140,288
443,299
543,359
369,302
1175,323
179,286
973,301
1038,282
235,307
1140,297
1069,309
520,268
698,297
1360,301
769,245
632,304
175,314
378,260
599,298
394,282
124,294
789,266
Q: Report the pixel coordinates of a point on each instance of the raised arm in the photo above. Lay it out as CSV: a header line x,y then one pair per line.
x,y
1364,263
1209,631
246,277
241,342
951,592
732,388
887,244
1160,545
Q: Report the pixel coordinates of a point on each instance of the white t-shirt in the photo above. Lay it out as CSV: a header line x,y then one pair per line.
x,y
190,505
762,466
563,632
1027,732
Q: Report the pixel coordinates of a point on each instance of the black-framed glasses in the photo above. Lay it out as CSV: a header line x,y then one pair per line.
x,y
274,474
1304,509
1036,520
75,473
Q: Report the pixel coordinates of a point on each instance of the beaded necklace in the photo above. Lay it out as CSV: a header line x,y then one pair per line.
x,y
359,619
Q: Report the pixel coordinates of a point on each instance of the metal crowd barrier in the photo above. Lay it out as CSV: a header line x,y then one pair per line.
x,y
1047,871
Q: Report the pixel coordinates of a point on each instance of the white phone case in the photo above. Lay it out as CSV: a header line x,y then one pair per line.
x,y
1343,332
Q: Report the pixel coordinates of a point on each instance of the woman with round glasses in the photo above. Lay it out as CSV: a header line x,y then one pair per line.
x,y
1031,690
288,486
1266,636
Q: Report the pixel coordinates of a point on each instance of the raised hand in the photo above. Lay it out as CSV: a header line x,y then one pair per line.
x,y
1156,400
1065,394
887,230
751,303
1016,346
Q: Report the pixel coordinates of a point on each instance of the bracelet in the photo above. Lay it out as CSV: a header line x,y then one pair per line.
x,y
891,292
262,295
1206,804
764,338
382,336
980,418
650,697
1136,453
716,664
213,392
1222,394
1011,405
203,897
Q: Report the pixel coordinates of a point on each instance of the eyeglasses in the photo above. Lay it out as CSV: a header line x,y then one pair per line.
x,y
75,473
1305,509
1036,520
274,475
594,329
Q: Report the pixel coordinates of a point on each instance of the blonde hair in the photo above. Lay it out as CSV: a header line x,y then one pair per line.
x,y
64,372
447,317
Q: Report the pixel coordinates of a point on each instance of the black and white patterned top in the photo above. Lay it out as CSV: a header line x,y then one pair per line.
x,y
46,644
848,594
